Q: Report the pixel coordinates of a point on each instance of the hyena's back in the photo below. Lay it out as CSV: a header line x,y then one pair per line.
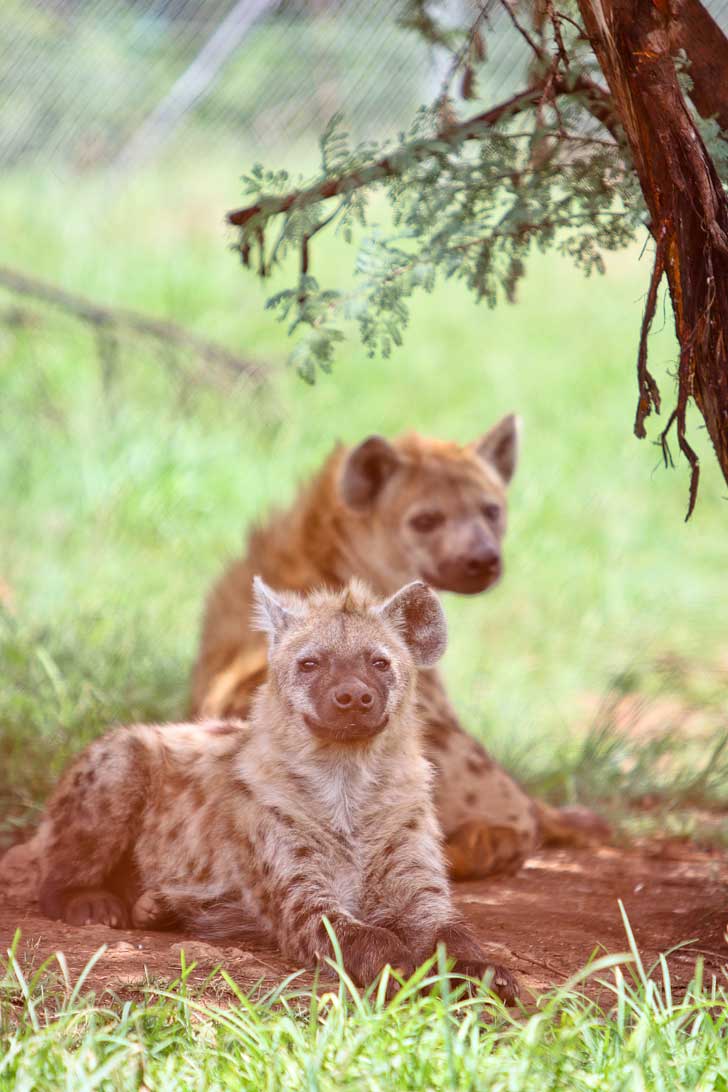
x,y
144,796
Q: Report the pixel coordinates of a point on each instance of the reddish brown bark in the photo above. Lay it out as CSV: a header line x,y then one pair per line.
x,y
687,205
693,30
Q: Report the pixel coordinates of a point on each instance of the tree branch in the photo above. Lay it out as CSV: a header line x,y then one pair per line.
x,y
597,101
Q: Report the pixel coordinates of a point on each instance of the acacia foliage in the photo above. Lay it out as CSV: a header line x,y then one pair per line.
x,y
471,193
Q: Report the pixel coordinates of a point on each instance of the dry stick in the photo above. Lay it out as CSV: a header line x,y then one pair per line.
x,y
108,320
460,55
534,46
686,370
393,165
649,391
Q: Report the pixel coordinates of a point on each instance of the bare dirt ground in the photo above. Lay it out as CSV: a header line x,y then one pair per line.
x,y
543,923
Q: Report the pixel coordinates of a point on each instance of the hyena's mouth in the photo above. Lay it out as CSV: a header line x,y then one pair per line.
x,y
349,731
464,583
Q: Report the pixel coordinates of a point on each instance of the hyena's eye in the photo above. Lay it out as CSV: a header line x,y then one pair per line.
x,y
427,521
381,663
491,512
308,664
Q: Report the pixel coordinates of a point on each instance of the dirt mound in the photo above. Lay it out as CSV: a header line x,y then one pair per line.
x,y
544,923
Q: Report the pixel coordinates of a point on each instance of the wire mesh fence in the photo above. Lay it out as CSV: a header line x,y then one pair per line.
x,y
99,82
116,82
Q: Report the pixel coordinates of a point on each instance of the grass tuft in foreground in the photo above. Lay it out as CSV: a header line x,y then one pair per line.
x,y
628,1031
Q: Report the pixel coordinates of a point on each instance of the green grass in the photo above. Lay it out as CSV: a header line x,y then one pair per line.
x,y
121,502
627,1033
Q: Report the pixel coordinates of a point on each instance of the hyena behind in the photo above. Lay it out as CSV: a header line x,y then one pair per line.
x,y
389,512
321,807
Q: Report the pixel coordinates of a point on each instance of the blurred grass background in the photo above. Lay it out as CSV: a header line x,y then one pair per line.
x,y
123,499
123,495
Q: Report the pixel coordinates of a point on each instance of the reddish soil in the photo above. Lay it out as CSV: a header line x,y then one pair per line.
x,y
543,923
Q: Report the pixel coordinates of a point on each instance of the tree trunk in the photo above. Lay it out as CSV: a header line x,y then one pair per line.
x,y
694,30
687,205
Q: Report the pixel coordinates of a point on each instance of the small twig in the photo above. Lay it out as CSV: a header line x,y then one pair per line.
x,y
685,390
462,53
389,166
556,971
666,453
577,26
107,347
555,20
649,392
538,51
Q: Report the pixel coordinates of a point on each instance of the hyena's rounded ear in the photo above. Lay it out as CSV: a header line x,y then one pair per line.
x,y
418,615
499,447
269,614
366,469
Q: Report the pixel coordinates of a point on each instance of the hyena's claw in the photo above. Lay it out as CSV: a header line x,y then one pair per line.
x,y
94,906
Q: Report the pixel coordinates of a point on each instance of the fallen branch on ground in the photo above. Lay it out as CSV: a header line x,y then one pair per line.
x,y
109,323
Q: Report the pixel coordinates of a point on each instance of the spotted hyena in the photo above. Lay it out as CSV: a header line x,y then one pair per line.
x,y
388,512
320,807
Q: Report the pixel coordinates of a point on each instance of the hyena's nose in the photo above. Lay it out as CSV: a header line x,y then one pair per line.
x,y
482,561
353,695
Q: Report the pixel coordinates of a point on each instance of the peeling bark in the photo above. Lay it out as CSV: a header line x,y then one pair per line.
x,y
693,29
687,205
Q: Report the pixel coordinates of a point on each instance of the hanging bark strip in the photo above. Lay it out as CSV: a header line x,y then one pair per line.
x,y
687,205
649,391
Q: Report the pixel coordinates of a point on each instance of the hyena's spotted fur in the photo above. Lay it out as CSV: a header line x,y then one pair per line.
x,y
320,807
362,516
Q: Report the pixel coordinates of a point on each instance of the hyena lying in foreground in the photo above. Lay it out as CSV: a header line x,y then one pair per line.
x,y
320,807
388,512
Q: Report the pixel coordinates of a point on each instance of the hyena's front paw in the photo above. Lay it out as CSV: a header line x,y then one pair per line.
x,y
499,979
94,906
367,949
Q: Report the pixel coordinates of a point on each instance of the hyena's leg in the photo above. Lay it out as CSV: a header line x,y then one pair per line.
x,y
410,896
489,822
297,888
89,828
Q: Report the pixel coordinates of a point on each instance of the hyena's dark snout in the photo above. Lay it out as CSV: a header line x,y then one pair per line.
x,y
353,695
472,571
355,702
350,708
